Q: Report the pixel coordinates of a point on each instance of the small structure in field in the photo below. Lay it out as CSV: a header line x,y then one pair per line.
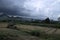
x,y
11,23
10,19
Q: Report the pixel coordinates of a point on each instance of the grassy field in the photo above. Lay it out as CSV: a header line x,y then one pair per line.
x,y
24,32
30,27
10,34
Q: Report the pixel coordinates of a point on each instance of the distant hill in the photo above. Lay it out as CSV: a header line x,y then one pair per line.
x,y
15,17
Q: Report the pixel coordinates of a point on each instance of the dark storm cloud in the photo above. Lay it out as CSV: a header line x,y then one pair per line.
x,y
34,8
12,7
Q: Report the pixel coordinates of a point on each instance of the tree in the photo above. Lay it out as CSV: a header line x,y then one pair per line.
x,y
58,18
47,20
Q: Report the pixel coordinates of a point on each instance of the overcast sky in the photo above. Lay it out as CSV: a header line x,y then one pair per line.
x,y
34,8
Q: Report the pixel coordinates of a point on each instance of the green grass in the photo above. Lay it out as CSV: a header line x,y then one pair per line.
x,y
12,34
42,24
53,25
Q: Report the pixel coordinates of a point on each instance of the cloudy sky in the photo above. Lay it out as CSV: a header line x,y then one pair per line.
x,y
32,8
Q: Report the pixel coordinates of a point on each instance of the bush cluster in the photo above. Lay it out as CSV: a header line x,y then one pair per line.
x,y
8,37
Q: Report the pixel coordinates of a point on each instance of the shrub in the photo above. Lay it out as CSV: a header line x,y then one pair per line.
x,y
47,20
35,33
8,36
38,33
12,27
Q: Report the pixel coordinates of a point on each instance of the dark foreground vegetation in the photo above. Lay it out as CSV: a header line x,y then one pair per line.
x,y
12,34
